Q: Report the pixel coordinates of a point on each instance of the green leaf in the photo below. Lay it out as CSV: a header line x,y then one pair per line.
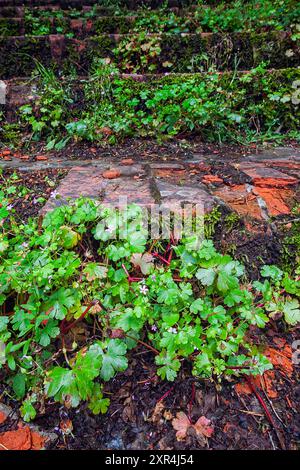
x,y
3,323
114,359
28,412
206,276
291,310
144,262
170,366
95,271
69,237
98,404
19,385
272,272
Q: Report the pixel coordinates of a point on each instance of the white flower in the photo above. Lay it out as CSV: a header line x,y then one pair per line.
x,y
143,289
172,330
54,194
9,207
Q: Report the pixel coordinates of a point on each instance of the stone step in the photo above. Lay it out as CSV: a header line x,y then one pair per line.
x,y
84,23
77,3
119,186
17,93
176,53
173,186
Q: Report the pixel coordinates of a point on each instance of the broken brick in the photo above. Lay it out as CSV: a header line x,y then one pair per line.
x,y
240,200
111,174
208,179
266,177
16,440
276,200
2,417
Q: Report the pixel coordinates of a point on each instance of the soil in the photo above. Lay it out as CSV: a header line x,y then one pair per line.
x,y
143,407
146,149
40,185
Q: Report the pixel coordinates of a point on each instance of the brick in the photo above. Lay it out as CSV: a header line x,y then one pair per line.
x,y
172,195
265,176
211,179
136,191
239,199
277,200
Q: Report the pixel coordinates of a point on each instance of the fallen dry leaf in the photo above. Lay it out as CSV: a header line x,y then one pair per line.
x,y
281,359
157,413
66,426
267,380
128,413
203,427
181,424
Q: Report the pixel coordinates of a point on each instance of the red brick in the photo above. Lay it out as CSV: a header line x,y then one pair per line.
x,y
266,177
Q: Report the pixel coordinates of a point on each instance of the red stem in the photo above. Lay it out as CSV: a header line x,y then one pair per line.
x,y
65,327
261,401
191,403
166,394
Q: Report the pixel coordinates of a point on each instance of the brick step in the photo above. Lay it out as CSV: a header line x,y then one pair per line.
x,y
202,182
176,53
142,89
85,26
19,91
77,3
95,10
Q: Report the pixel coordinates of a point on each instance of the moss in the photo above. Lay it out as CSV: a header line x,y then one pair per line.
x,y
275,47
17,54
10,27
113,24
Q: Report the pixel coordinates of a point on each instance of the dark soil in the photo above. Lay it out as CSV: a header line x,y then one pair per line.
x,y
145,149
142,408
40,184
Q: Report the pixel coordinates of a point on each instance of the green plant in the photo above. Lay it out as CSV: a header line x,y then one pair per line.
x,y
94,266
138,53
113,107
48,114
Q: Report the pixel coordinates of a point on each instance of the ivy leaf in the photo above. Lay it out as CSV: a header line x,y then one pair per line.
x,y
113,360
291,311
